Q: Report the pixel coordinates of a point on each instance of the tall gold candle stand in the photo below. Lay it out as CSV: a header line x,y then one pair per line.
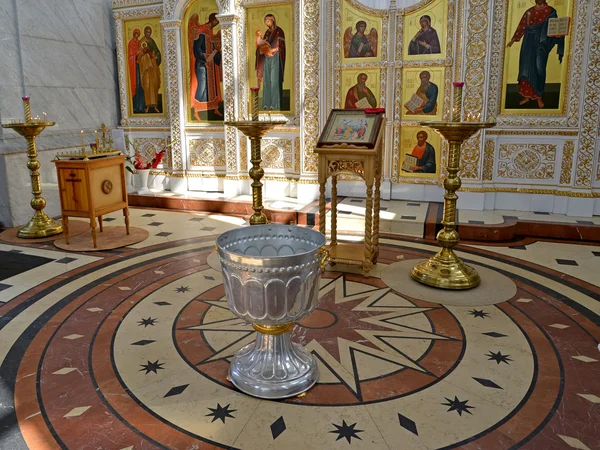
x,y
255,130
40,224
446,270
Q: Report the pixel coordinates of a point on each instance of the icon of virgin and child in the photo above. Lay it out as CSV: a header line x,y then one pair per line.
x,y
270,63
205,68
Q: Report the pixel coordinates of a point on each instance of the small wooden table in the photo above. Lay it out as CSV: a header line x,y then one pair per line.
x,y
92,188
366,163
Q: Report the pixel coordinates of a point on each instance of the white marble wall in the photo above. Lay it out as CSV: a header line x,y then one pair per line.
x,y
61,54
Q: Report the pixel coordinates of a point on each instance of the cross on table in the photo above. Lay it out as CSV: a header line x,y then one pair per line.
x,y
73,180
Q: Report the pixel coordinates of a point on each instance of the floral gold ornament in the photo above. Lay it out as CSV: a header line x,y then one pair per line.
x,y
40,224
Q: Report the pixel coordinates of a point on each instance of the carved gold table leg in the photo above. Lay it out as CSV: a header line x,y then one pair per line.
x,y
322,219
334,210
368,230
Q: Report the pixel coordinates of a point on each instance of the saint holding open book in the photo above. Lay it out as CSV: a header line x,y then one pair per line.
x,y
424,101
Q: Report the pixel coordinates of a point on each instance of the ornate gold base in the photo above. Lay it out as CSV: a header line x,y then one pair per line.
x,y
258,219
445,270
273,329
40,226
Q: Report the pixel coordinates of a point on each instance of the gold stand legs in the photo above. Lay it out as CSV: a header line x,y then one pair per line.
x,y
256,173
40,224
445,270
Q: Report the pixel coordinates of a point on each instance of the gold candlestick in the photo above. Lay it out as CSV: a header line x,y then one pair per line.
x,y
445,270
27,108
457,101
40,224
255,130
255,108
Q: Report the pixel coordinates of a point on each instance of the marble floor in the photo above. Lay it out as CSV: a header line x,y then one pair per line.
x,y
129,348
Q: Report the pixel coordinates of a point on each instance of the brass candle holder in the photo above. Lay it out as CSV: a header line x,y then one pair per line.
x,y
255,130
446,270
40,224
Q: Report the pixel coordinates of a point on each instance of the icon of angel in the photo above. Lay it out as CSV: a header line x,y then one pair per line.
x,y
360,45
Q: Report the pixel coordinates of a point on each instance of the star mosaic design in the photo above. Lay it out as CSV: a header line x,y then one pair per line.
x,y
182,289
221,413
458,406
498,357
149,321
346,431
152,367
475,313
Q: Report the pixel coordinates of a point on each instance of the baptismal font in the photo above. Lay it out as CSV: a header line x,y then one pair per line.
x,y
446,270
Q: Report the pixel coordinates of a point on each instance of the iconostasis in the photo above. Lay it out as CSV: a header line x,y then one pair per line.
x,y
186,67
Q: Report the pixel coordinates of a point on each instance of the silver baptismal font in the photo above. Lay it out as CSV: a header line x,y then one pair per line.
x,y
271,275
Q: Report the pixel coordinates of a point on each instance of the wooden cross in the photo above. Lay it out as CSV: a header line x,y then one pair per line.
x,y
73,180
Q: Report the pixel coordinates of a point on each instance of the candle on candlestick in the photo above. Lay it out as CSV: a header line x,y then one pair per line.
x,y
97,142
27,108
45,116
254,96
82,143
457,102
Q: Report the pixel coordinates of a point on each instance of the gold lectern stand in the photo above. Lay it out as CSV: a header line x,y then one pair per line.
x,y
40,224
362,155
446,270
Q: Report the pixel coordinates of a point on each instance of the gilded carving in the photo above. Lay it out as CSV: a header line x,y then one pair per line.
x,y
488,159
340,166
310,116
567,162
529,161
148,147
277,153
207,152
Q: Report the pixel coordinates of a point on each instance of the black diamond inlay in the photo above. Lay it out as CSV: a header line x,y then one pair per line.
x,y
148,215
163,234
413,204
155,224
355,201
176,390
162,303
458,406
208,228
66,260
208,277
518,247
510,217
383,209
4,286
110,219
541,213
494,334
16,251
409,217
143,342
476,222
585,222
405,422
345,212
487,383
596,253
567,262
197,219
278,427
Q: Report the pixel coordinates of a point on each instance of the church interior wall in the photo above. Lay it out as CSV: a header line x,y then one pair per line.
x,y
61,56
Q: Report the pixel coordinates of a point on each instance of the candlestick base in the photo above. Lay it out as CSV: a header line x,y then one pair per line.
x,y
445,270
40,226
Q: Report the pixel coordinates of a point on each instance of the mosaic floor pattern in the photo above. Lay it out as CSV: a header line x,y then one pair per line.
x,y
130,350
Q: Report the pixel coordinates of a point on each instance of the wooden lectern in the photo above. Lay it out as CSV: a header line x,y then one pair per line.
x,y
352,142
91,187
